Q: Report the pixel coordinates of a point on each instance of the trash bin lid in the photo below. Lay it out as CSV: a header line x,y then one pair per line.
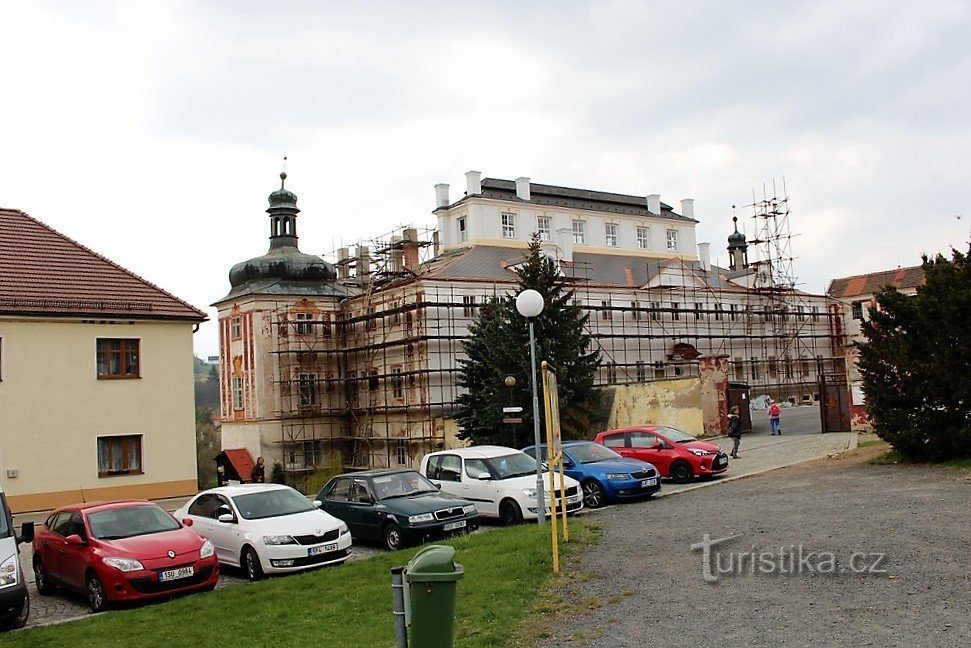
x,y
434,563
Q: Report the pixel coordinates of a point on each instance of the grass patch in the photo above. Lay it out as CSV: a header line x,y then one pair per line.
x,y
887,458
871,443
507,594
891,457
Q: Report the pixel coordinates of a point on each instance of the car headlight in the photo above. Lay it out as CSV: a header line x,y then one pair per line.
x,y
9,571
124,564
206,549
469,509
698,452
618,476
278,540
530,493
344,530
418,519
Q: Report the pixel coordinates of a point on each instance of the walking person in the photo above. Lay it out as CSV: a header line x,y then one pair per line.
x,y
775,424
258,474
734,430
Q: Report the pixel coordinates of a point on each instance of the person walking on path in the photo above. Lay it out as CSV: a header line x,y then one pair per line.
x,y
775,424
734,430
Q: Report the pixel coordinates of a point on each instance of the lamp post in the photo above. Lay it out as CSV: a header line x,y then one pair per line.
x,y
530,303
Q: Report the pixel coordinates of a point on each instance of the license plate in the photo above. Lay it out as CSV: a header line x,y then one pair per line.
x,y
175,574
451,526
649,482
322,549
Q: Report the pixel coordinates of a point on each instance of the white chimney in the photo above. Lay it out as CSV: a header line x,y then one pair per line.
x,y
654,204
704,256
473,183
688,208
441,195
522,189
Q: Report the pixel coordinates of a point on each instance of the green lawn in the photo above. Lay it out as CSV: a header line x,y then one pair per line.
x,y
891,457
507,589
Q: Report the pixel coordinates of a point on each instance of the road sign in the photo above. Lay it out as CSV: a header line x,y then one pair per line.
x,y
511,420
512,410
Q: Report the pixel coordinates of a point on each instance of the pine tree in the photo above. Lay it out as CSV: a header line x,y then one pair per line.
x,y
915,363
499,347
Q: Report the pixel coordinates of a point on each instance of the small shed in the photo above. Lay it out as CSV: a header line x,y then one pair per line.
x,y
234,464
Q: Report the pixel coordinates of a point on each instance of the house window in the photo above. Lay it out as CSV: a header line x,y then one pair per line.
x,y
719,312
371,322
643,238
579,232
117,358
611,232
733,308
120,455
543,228
235,328
739,369
397,383
635,312
801,313
787,367
372,380
305,324
675,310
772,368
611,373
308,389
463,231
672,236
402,452
605,313
659,369
755,368
508,225
804,368
698,310
395,315
468,305
237,392
325,324
655,308
313,453
815,313
858,310
641,371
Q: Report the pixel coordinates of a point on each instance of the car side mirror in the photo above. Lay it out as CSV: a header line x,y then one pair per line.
x,y
187,522
438,486
657,446
317,503
26,533
226,517
74,539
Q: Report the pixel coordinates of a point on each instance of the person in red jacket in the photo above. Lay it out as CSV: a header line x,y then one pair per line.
x,y
775,424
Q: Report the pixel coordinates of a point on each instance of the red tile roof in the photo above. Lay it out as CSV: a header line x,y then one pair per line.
x,y
869,284
43,272
241,461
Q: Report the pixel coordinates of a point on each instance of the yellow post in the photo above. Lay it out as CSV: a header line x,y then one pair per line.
x,y
550,461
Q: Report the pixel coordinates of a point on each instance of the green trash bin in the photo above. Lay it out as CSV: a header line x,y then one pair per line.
x,y
430,581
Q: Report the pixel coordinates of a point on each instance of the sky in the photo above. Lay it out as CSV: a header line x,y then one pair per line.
x,y
152,132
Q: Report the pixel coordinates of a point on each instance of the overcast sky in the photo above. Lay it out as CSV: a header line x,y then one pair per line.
x,y
152,132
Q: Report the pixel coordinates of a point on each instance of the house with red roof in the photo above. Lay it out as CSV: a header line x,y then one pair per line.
x,y
96,376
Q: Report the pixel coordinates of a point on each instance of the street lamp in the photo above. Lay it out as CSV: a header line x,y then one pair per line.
x,y
530,304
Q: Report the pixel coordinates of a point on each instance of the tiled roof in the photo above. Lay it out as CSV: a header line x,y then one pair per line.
x,y
869,284
553,196
241,462
43,272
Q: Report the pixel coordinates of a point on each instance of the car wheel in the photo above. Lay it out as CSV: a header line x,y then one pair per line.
x,y
593,494
41,579
97,600
681,471
392,537
19,620
251,564
509,513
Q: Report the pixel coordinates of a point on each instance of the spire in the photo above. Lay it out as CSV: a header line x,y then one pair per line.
x,y
737,248
283,215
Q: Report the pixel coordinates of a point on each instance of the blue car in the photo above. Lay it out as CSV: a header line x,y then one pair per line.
x,y
605,475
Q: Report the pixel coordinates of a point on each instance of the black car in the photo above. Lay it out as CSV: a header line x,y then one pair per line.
x,y
396,507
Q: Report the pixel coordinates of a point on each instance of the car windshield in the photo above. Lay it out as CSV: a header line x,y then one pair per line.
x,y
677,436
512,465
271,503
401,484
130,521
587,453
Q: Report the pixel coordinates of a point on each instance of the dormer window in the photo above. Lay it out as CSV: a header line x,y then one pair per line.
x,y
643,238
463,232
543,228
508,226
672,240
579,232
611,232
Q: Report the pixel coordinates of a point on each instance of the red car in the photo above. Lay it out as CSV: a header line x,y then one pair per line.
x,y
121,551
674,453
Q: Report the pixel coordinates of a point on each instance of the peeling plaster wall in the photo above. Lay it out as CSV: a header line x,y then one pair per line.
x,y
676,403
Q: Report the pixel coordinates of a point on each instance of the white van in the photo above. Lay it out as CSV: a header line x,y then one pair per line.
x,y
500,481
14,602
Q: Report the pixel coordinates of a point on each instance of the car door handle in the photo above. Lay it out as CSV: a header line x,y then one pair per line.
x,y
62,551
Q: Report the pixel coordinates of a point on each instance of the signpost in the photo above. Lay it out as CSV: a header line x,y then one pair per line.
x,y
554,459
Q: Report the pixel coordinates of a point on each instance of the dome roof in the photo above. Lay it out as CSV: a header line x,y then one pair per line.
x,y
282,264
736,237
283,197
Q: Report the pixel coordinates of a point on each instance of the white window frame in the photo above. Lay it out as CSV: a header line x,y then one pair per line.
x,y
237,392
397,383
643,238
672,240
463,229
401,450
580,232
611,234
307,389
508,225
544,226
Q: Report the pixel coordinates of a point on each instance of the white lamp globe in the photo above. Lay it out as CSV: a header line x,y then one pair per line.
x,y
529,303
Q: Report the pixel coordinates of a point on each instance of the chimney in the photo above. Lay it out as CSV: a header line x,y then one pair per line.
x,y
441,195
436,243
473,183
363,262
522,189
342,254
654,204
688,208
704,256
410,246
629,275
396,255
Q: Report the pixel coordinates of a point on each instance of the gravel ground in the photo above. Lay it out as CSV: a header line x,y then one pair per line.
x,y
648,589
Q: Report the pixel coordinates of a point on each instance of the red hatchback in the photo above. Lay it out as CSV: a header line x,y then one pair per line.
x,y
121,551
674,453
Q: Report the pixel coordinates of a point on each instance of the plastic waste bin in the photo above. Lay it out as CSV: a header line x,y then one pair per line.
x,y
431,579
